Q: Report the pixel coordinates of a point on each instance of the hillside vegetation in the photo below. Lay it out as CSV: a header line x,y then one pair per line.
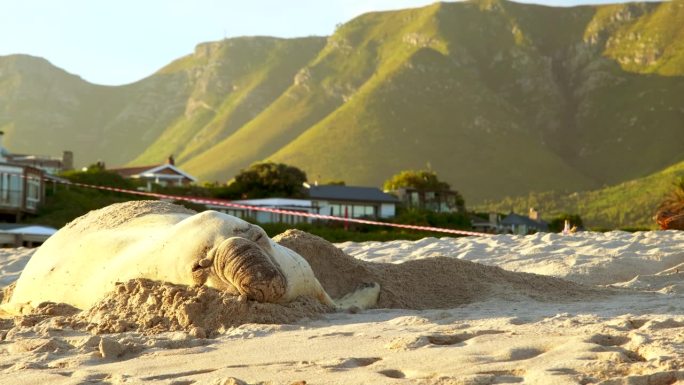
x,y
499,98
631,204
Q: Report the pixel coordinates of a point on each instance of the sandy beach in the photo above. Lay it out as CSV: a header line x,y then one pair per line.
x,y
448,314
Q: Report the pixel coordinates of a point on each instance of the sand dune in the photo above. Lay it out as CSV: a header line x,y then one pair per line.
x,y
443,319
585,257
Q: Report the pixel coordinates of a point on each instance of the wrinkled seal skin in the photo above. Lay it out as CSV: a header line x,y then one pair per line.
x,y
161,241
249,269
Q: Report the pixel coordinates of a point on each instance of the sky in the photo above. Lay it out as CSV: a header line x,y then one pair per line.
x,y
116,42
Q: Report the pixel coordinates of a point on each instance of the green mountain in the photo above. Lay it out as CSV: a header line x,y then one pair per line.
x,y
498,98
45,110
626,205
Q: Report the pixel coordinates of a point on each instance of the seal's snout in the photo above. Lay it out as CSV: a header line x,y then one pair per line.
x,y
243,264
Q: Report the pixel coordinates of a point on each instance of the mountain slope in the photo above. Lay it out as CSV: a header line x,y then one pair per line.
x,y
628,204
530,96
234,81
45,110
350,59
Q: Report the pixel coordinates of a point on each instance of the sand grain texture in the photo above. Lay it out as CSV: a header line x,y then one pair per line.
x,y
445,320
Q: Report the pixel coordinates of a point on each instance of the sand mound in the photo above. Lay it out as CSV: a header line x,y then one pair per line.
x,y
668,281
115,215
151,307
432,283
586,257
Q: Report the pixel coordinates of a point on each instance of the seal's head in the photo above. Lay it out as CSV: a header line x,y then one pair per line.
x,y
250,269
242,260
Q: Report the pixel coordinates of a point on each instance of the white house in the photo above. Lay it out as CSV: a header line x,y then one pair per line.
x,y
340,201
166,174
352,201
298,205
518,224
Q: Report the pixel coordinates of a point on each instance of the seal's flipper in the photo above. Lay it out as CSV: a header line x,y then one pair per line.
x,y
364,297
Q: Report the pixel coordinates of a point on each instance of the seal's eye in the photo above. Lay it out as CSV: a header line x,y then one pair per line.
x,y
258,236
242,230
254,233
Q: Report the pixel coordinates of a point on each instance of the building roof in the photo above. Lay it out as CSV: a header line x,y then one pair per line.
x,y
477,220
24,167
130,171
55,178
18,228
516,219
145,171
350,193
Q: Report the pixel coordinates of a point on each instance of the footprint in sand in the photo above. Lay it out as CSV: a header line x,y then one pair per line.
x,y
453,339
636,323
178,375
518,354
608,340
444,339
89,377
392,373
40,345
613,343
504,376
350,363
668,323
335,335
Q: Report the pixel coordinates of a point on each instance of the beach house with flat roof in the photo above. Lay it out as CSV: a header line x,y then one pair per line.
x,y
352,201
335,200
304,206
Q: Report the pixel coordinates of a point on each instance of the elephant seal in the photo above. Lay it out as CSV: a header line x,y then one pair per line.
x,y
161,241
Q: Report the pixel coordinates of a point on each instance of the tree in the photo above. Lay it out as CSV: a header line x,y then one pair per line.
x,y
425,181
335,182
421,179
96,174
269,179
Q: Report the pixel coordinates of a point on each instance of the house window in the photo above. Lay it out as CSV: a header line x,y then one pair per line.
x,y
357,211
362,211
32,193
4,188
415,198
10,189
336,210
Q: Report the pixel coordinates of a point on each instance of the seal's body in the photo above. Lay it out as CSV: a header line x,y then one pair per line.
x,y
165,242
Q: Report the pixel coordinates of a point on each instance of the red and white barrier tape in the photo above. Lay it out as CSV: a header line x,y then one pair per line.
x,y
224,203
